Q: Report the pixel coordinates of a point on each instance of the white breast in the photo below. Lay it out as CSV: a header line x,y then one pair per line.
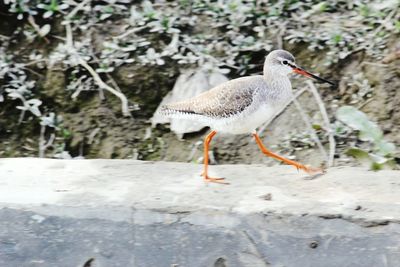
x,y
245,122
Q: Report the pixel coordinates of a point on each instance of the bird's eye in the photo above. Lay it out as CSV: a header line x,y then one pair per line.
x,y
284,62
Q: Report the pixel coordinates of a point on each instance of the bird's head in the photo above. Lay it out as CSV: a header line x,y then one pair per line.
x,y
281,62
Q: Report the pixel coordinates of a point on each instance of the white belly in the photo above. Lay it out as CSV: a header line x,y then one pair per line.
x,y
243,123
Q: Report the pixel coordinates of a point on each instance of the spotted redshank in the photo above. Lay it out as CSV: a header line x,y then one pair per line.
x,y
241,105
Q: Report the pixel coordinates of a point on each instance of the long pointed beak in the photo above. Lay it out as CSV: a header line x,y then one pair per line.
x,y
310,75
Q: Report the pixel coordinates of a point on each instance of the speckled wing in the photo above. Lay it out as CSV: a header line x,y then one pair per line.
x,y
223,101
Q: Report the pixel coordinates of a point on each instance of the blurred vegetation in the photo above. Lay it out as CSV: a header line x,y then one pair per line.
x,y
96,47
368,131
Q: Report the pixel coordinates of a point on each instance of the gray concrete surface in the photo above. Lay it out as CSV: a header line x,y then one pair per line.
x,y
147,214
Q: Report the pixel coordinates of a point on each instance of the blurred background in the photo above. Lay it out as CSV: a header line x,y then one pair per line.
x,y
83,79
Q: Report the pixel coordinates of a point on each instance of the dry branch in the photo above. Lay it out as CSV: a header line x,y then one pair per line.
x,y
103,85
36,27
43,145
310,129
131,31
93,73
321,105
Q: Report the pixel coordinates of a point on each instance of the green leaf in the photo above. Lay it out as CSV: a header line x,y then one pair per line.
x,y
53,5
357,120
165,23
365,11
378,158
385,148
317,127
351,116
323,6
358,153
376,166
108,9
370,132
337,38
66,133
397,25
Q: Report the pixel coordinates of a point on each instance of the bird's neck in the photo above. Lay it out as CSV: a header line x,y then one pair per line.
x,y
276,81
279,88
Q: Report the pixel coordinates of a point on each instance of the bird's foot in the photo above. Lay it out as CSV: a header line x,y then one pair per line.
x,y
214,180
310,170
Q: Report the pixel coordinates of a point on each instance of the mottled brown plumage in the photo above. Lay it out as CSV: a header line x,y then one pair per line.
x,y
222,101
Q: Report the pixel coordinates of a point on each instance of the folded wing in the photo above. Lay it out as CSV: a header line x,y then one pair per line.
x,y
223,101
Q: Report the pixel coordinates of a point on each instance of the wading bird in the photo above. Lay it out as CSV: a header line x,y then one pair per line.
x,y
241,105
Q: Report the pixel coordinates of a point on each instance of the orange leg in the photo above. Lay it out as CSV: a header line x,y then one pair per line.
x,y
268,153
205,173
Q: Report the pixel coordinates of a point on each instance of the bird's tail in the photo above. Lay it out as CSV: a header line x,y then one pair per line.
x,y
176,110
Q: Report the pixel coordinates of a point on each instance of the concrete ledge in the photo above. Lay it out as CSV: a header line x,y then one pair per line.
x,y
133,213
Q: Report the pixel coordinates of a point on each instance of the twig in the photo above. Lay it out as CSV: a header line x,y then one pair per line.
x,y
92,135
58,37
69,41
279,36
207,56
387,19
43,145
365,103
76,93
33,72
373,64
321,105
308,123
22,114
76,9
35,62
134,30
99,81
36,27
109,77
95,75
